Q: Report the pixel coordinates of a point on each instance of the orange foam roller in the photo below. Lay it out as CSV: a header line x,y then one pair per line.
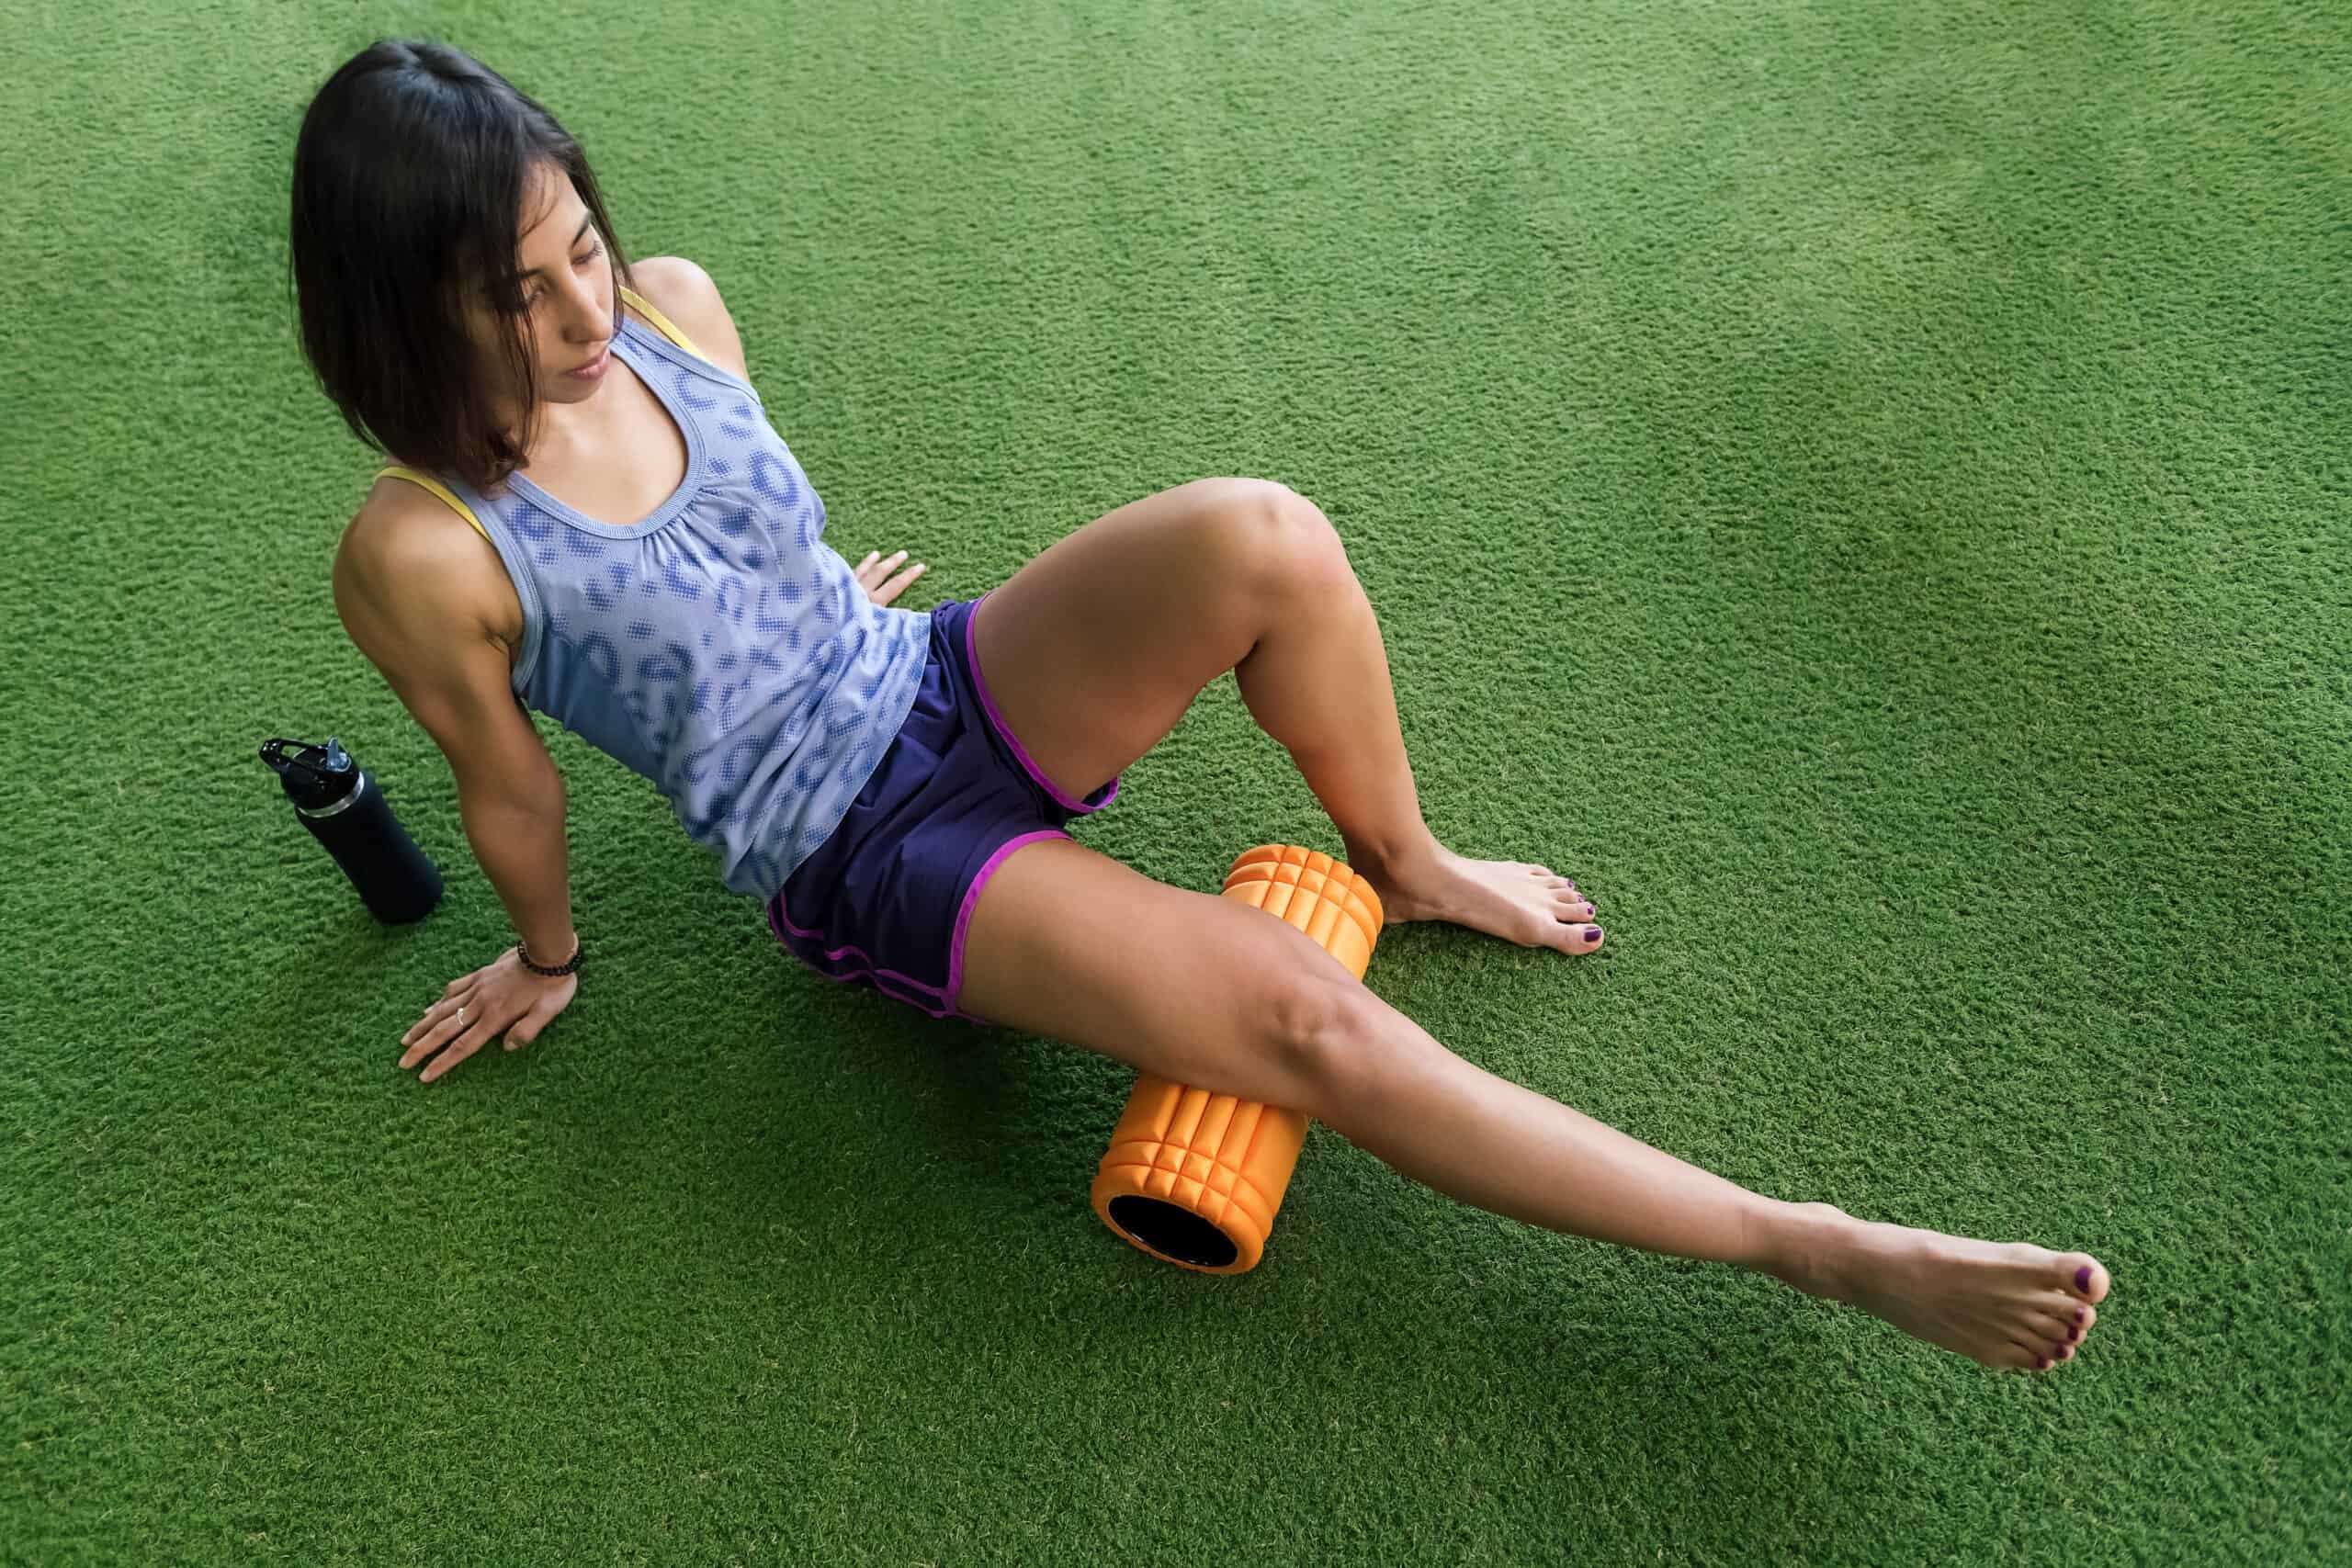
x,y
1194,1177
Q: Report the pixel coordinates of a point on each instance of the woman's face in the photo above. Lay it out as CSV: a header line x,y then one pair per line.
x,y
562,288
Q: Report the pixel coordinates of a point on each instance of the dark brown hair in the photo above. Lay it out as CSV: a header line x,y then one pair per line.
x,y
408,175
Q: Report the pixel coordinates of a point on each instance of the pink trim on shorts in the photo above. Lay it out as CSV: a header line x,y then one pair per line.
x,y
1004,730
776,917
971,898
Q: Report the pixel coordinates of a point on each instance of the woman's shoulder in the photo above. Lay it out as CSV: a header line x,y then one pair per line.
x,y
405,555
684,293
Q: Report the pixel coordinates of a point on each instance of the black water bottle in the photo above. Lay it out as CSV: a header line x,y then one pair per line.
x,y
346,810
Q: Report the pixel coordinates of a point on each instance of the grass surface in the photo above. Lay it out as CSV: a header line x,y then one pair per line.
x,y
1864,489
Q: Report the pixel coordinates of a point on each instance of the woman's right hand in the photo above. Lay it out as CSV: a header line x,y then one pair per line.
x,y
491,998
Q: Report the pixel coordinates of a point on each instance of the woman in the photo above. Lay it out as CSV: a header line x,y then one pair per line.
x,y
595,519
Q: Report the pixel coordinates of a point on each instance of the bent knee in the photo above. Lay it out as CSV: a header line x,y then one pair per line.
x,y
1277,538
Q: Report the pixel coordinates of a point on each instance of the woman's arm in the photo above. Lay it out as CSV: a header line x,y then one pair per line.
x,y
413,598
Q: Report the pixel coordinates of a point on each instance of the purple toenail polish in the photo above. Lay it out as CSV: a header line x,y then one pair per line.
x,y
1592,933
2041,1363
2076,1332
2078,1318
2082,1279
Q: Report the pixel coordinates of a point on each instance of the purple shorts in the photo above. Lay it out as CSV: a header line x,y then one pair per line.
x,y
885,901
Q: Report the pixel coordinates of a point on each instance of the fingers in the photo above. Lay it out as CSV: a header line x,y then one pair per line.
x,y
439,1028
873,574
898,585
527,1028
465,1046
426,1033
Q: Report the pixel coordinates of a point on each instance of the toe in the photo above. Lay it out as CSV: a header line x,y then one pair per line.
x,y
2068,1322
1571,937
2055,1327
2082,1275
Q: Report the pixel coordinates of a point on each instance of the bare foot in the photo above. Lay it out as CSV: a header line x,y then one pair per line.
x,y
1530,904
2004,1304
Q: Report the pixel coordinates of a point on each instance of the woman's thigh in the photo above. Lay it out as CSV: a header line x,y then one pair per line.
x,y
1202,990
1092,651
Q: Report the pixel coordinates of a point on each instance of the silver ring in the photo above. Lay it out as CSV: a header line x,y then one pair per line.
x,y
461,1015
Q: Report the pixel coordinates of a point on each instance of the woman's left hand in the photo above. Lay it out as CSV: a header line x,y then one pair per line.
x,y
873,576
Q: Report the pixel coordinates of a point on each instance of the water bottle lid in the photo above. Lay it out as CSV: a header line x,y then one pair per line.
x,y
313,775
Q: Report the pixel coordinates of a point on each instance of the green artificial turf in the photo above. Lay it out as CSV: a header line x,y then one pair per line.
x,y
1864,489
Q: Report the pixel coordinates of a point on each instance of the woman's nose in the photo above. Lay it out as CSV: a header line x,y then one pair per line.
x,y
587,318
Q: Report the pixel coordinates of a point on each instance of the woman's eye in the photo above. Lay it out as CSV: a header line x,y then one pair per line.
x,y
525,301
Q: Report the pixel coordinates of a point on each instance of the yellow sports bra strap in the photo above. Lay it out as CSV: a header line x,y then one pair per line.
x,y
637,302
417,477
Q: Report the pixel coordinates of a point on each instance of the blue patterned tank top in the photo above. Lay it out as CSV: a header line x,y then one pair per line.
x,y
719,646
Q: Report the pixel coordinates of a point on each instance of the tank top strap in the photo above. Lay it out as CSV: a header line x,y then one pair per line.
x,y
419,477
642,306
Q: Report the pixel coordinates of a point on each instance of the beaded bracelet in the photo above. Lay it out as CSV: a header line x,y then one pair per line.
x,y
523,950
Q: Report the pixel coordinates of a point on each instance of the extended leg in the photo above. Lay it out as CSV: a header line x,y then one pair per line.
x,y
1199,989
